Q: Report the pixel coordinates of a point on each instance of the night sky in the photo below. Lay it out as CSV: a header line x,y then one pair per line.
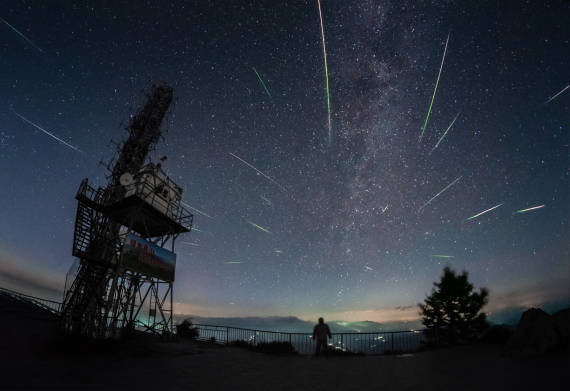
x,y
349,235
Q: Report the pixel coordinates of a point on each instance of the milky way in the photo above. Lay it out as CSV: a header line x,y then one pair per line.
x,y
346,223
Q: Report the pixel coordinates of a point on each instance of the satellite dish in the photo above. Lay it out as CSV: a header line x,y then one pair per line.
x,y
126,179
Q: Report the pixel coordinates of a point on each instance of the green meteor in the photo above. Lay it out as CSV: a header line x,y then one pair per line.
x,y
233,262
434,90
21,35
442,256
438,194
485,211
326,68
258,226
529,209
444,134
266,201
262,83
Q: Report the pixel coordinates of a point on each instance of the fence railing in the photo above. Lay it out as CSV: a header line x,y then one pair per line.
x,y
381,342
50,305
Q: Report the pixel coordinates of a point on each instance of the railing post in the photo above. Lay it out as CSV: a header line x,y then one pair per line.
x,y
227,335
392,342
342,341
290,339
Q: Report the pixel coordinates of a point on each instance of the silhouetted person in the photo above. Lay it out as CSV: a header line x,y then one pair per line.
x,y
320,333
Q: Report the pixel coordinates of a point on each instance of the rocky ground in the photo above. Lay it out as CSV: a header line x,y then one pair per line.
x,y
35,356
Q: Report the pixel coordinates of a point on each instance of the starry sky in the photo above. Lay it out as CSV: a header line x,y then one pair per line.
x,y
349,232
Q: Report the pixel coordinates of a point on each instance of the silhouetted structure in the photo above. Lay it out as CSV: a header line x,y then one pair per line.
x,y
452,311
121,235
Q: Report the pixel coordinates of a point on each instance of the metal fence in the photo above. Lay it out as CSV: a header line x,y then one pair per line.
x,y
50,305
365,343
381,342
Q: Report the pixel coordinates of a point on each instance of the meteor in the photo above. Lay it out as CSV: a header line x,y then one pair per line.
x,y
434,90
191,244
555,96
366,267
442,256
485,211
278,252
21,35
259,172
438,194
232,262
326,68
529,209
258,226
262,83
196,210
48,133
203,232
444,134
266,201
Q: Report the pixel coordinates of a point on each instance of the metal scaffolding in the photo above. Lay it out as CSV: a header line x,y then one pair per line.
x,y
124,239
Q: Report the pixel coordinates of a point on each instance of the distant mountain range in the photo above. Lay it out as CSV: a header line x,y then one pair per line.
x,y
508,316
296,325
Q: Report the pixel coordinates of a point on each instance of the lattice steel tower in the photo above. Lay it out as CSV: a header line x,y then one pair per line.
x,y
122,232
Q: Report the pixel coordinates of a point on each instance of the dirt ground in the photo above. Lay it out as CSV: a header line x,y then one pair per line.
x,y
35,356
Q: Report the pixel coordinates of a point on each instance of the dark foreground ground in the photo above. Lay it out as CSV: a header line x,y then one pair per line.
x,y
34,356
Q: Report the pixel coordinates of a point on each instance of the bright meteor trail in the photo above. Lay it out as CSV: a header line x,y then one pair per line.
x,y
529,209
21,35
485,211
48,133
438,194
326,68
442,256
262,83
434,90
196,210
444,134
259,172
259,227
555,96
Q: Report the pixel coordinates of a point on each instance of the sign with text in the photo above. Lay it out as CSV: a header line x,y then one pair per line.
x,y
146,257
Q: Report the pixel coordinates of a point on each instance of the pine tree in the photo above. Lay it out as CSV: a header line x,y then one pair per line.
x,y
452,312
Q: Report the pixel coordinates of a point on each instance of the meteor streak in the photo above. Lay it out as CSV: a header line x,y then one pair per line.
x,y
326,68
266,201
442,256
278,252
485,211
21,35
444,134
199,230
529,209
262,83
191,244
259,227
233,262
438,194
366,267
434,90
259,172
48,133
555,96
196,210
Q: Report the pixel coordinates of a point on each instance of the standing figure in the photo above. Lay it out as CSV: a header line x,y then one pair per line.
x,y
320,333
